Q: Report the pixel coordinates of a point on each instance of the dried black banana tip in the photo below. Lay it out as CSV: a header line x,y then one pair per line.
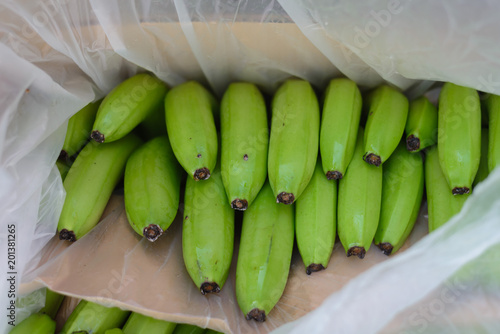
x,y
412,143
357,251
372,159
257,315
460,190
152,232
285,198
209,287
201,174
313,267
239,204
97,136
64,234
334,175
63,155
386,248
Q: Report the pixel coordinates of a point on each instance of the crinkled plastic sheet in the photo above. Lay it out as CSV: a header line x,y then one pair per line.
x,y
55,57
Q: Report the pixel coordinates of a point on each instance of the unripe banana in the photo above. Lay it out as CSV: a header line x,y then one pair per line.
x,y
188,329
402,191
63,168
152,188
385,125
79,128
114,331
245,138
339,126
459,137
493,107
316,221
293,146
359,200
53,301
441,203
189,113
94,318
154,125
89,184
264,256
36,323
207,233
482,171
421,125
141,324
127,105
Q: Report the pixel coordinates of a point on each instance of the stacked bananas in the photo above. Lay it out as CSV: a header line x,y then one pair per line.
x,y
349,171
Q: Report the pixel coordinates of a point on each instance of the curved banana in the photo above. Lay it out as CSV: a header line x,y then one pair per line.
x,y
141,324
53,301
189,113
359,200
188,329
421,125
245,138
385,125
264,256
89,184
63,168
152,188
493,107
402,191
293,145
482,171
207,233
459,137
127,105
36,323
339,126
316,221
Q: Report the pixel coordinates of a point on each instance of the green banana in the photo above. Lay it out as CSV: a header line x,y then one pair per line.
x,y
315,221
482,171
53,301
402,191
127,105
141,324
114,331
459,136
188,329
441,203
339,126
152,188
36,323
63,168
385,125
493,107
207,233
245,139
189,113
79,128
154,125
293,146
89,184
264,256
359,201
421,125
94,318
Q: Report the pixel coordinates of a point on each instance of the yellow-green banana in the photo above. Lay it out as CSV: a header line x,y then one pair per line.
x,y
316,221
188,329
482,171
385,125
339,126
264,256
421,125
94,318
293,145
207,233
127,105
359,200
441,203
79,128
53,301
141,324
152,188
153,125
36,323
459,136
89,184
63,168
244,133
114,331
189,113
402,191
493,107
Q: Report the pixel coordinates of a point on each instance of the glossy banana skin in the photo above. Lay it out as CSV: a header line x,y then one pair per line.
x,y
459,137
264,255
189,113
493,107
89,184
245,139
152,188
188,329
293,145
402,191
441,203
207,233
94,318
359,201
482,171
316,221
36,323
339,126
385,125
141,324
421,125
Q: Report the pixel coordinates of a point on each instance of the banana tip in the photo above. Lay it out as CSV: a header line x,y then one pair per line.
x,y
460,190
412,143
97,136
152,232
63,155
64,234
357,251
372,159
334,175
239,204
257,315
209,287
285,198
386,248
201,174
313,267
